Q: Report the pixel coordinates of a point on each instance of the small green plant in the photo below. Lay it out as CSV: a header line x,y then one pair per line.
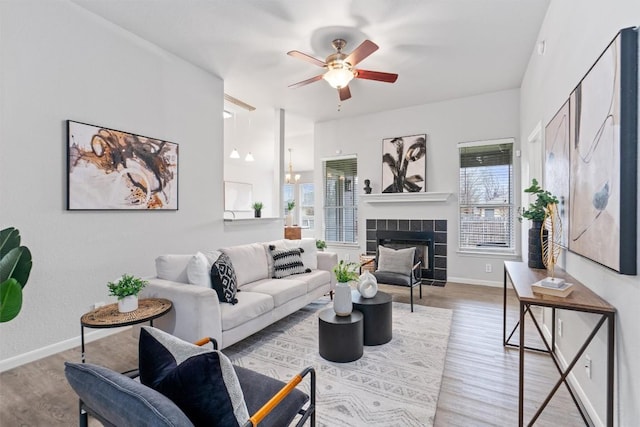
x,y
257,206
346,271
127,285
321,244
15,266
536,211
290,205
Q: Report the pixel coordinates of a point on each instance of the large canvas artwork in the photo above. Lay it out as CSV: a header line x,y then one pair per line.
x,y
110,169
556,177
604,133
404,164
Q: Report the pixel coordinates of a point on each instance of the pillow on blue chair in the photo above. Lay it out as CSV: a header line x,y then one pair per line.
x,y
200,381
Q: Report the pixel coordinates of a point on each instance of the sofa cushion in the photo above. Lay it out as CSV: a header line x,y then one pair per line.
x,y
287,262
281,290
173,267
249,262
280,244
310,252
199,270
223,279
121,400
395,260
250,305
315,279
201,382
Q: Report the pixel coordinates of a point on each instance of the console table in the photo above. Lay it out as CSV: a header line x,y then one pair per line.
x,y
582,299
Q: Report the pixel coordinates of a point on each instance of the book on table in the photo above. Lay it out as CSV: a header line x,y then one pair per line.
x,y
564,290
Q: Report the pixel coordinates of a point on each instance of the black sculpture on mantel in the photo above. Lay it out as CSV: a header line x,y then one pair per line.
x,y
367,188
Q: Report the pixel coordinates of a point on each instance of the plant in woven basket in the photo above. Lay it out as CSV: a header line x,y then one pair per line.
x,y
126,286
346,271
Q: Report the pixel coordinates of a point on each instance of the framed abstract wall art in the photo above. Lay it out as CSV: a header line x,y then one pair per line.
x,y
404,164
557,165
115,170
603,157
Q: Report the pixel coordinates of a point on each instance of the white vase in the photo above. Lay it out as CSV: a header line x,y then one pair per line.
x,y
368,285
342,304
288,220
128,303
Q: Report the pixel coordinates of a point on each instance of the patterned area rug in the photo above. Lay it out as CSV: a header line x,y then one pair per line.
x,y
395,384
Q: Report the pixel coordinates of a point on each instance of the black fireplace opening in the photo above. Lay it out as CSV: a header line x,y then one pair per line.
x,y
423,241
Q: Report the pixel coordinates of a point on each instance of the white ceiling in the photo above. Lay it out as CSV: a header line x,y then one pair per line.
x,y
441,49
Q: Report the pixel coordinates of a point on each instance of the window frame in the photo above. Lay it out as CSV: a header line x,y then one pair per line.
x,y
490,250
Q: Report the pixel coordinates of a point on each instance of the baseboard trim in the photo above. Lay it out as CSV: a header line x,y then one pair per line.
x,y
32,356
466,281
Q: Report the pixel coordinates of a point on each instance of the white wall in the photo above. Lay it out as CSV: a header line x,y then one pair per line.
x,y
488,116
576,32
60,62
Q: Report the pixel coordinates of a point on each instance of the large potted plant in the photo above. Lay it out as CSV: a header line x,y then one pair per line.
x,y
345,272
127,289
15,266
536,213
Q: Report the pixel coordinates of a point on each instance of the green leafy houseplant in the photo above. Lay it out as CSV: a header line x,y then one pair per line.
x,y
126,286
536,211
321,244
15,266
257,206
290,205
346,271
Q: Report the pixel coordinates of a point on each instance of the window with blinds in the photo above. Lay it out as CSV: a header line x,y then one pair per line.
x,y
341,200
486,195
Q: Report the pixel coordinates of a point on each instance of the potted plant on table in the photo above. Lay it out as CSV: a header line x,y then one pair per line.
x,y
127,289
321,245
536,213
257,209
289,219
345,272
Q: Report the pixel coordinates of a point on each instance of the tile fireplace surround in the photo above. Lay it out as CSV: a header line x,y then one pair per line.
x,y
437,226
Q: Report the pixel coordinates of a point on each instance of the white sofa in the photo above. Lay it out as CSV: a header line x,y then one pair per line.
x,y
262,300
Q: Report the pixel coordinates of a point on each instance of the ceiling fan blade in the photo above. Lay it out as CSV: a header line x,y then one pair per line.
x,y
376,75
365,49
305,57
306,82
344,93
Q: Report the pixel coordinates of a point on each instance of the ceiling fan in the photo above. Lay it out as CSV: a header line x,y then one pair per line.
x,y
341,67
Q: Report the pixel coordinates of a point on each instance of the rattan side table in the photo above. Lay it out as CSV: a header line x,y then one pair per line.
x,y
108,316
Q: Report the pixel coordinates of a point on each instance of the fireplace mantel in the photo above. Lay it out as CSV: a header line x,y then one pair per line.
x,y
421,197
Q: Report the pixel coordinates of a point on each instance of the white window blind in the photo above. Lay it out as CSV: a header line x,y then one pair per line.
x,y
341,200
486,195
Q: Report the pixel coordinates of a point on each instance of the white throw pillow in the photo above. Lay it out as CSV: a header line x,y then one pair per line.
x,y
199,270
310,252
395,260
249,262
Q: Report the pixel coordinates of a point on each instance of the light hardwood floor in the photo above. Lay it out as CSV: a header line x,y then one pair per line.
x,y
479,388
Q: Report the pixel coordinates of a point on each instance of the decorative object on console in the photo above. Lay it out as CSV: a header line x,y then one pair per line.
x,y
550,235
223,279
367,285
604,147
404,169
257,209
287,262
556,167
111,169
15,266
289,218
127,289
536,213
367,187
562,290
321,245
345,272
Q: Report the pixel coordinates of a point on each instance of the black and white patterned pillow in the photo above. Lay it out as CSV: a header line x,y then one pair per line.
x,y
287,262
223,279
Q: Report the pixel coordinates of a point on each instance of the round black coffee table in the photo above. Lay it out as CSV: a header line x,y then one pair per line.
x,y
377,317
340,337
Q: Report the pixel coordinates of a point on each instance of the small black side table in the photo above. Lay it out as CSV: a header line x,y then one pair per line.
x,y
340,337
108,316
377,312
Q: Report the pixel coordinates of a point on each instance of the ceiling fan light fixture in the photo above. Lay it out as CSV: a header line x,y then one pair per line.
x,y
338,77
